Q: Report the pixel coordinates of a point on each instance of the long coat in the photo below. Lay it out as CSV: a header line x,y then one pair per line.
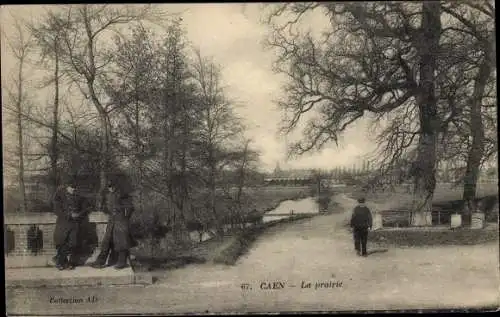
x,y
361,217
117,232
67,228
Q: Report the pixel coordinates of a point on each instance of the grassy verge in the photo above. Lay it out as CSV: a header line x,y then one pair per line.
x,y
265,199
420,237
244,240
443,193
223,251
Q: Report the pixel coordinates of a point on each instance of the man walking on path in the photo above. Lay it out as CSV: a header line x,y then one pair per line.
x,y
70,210
117,240
361,222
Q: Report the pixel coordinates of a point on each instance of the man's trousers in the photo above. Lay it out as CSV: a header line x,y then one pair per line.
x,y
360,239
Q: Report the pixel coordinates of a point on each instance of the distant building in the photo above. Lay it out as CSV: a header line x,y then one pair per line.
x,y
292,177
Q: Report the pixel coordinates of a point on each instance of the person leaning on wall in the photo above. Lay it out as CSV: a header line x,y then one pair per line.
x,y
70,208
117,241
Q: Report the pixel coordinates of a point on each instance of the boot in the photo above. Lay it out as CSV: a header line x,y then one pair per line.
x,y
122,260
73,262
61,261
100,262
97,265
113,258
60,266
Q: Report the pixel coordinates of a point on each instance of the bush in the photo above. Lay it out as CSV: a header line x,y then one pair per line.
x,y
490,208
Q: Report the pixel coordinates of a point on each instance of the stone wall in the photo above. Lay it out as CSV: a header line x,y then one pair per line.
x,y
19,225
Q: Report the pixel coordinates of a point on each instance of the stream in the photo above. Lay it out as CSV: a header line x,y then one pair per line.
x,y
306,205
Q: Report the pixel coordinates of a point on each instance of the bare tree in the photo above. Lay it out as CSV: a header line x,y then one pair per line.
x,y
20,45
424,168
245,165
476,21
48,38
375,58
85,56
219,125
134,68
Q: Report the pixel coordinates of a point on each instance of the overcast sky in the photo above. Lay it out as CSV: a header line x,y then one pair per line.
x,y
232,35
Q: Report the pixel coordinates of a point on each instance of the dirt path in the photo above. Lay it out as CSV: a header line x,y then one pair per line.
x,y
311,251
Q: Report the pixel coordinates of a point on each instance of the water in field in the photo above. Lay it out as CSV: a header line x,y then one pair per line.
x,y
288,207
291,207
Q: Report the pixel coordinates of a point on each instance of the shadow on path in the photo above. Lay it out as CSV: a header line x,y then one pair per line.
x,y
379,250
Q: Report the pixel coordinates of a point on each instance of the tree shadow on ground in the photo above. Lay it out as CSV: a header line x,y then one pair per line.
x,y
377,250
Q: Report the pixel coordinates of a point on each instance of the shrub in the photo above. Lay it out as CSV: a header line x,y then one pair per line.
x,y
490,208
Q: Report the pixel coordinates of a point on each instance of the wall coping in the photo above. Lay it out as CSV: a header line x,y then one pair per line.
x,y
46,218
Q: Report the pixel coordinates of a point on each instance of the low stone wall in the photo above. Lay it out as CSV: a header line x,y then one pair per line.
x,y
17,228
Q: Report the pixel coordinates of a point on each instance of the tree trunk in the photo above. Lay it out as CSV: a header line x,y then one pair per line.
x,y
476,151
54,154
241,182
138,153
103,162
90,77
168,171
424,169
213,197
183,234
19,105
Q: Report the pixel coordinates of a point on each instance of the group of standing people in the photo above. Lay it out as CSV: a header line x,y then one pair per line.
x,y
72,210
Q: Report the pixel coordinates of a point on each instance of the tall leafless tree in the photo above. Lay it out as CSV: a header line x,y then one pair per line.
x,y
20,44
375,58
85,56
476,21
48,38
219,126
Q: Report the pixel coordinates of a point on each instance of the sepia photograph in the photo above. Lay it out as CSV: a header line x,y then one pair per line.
x,y
250,158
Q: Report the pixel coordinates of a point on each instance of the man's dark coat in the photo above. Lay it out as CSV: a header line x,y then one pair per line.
x,y
119,208
67,228
361,217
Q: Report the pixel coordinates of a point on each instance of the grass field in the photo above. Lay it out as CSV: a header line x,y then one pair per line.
x,y
419,237
444,192
269,197
397,204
